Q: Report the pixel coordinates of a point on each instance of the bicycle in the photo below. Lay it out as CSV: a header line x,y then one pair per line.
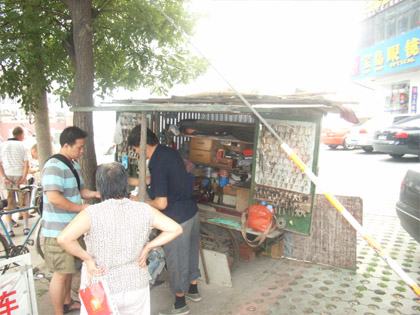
x,y
7,248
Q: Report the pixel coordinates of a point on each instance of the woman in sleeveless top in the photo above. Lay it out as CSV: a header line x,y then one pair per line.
x,y
116,235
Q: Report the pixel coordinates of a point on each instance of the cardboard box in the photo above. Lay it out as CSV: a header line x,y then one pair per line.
x,y
229,190
200,156
246,253
275,250
238,146
242,198
223,162
229,200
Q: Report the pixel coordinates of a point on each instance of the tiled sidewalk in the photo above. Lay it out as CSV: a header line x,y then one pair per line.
x,y
269,286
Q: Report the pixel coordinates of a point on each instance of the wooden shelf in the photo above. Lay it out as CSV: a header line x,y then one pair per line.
x,y
207,213
219,138
232,170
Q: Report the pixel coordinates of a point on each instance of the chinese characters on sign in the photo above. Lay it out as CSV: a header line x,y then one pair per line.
x,y
8,303
392,56
396,54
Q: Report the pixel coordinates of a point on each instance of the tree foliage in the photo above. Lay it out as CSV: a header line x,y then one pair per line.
x,y
134,46
31,55
148,51
45,46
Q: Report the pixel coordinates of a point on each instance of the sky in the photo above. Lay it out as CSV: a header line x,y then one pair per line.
x,y
274,47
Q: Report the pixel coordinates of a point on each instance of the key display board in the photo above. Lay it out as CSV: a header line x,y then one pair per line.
x,y
278,180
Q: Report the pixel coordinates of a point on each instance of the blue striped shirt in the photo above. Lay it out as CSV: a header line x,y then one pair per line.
x,y
58,176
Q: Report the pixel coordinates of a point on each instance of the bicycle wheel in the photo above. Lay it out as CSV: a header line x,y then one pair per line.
x,y
221,240
4,252
39,240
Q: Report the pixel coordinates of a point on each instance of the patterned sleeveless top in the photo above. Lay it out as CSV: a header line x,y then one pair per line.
x,y
118,232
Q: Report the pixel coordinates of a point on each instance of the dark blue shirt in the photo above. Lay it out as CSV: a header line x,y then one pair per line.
x,y
169,178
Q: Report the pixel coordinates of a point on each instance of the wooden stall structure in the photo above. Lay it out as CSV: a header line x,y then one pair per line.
x,y
235,161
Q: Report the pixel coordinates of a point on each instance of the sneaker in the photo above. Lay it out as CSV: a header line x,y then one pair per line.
x,y
11,233
26,231
172,310
196,297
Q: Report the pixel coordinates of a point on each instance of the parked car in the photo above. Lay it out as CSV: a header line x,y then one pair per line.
x,y
362,136
335,130
408,206
399,139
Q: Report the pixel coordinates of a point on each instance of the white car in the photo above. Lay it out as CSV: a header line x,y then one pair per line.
x,y
361,136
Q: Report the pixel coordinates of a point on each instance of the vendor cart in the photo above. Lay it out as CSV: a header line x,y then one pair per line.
x,y
236,160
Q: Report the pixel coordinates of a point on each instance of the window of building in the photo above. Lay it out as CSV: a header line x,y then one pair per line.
x,y
397,100
394,21
379,29
415,18
402,24
367,34
390,24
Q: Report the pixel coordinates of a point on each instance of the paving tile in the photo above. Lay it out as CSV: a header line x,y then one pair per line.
x,y
373,288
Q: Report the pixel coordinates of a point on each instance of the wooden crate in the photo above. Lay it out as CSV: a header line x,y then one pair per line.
x,y
275,250
203,144
200,156
223,162
242,198
229,190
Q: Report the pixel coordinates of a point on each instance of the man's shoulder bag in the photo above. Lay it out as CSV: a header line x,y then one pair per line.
x,y
66,161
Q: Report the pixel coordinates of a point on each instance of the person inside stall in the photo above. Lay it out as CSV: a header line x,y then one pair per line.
x,y
170,192
127,282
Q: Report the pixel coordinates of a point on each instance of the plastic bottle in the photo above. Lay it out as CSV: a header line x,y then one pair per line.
x,y
271,208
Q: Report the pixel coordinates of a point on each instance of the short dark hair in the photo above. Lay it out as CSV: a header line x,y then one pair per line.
x,y
17,131
112,180
71,134
134,137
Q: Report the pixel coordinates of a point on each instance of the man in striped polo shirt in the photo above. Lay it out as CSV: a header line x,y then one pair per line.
x,y
64,189
14,166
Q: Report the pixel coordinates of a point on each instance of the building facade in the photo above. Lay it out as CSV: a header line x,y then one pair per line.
x,y
388,59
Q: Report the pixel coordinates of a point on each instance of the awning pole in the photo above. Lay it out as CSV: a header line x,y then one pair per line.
x,y
142,158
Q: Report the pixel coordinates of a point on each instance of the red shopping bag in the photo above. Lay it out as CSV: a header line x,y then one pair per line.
x,y
96,300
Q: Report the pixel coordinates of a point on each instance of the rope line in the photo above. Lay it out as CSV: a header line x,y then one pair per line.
x,y
334,201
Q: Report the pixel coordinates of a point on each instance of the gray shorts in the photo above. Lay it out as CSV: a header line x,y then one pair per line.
x,y
14,197
182,256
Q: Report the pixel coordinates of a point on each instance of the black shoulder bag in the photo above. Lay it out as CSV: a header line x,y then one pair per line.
x,y
66,161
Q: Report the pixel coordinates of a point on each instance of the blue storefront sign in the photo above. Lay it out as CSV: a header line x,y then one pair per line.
x,y
413,108
394,55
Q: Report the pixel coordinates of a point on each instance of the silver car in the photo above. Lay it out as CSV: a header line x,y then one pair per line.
x,y
361,136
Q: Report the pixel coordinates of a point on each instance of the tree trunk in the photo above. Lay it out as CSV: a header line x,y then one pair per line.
x,y
82,94
88,159
42,130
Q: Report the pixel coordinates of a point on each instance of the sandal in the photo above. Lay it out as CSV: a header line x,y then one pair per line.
x,y
15,224
26,231
67,307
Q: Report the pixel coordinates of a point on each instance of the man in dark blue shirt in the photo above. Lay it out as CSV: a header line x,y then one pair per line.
x,y
170,191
